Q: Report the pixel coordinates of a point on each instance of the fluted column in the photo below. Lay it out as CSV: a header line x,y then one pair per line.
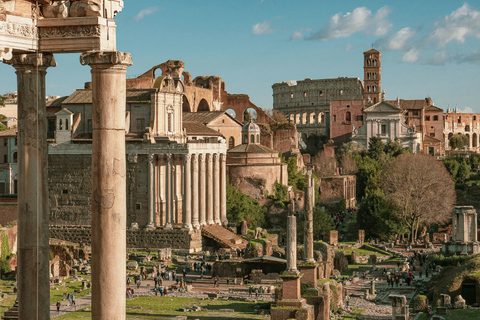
x,y
33,265
108,182
195,213
223,189
203,187
151,191
209,163
187,187
168,193
216,189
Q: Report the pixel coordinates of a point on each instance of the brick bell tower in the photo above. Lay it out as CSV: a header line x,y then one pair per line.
x,y
372,83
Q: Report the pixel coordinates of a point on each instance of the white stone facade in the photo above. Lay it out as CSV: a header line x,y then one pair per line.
x,y
387,122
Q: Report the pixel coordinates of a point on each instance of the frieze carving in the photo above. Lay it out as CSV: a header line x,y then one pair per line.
x,y
17,29
70,32
132,158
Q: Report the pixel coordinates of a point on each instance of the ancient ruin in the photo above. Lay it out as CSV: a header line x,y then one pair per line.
x,y
464,232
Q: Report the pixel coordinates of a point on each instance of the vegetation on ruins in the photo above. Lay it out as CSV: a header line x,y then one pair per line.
x,y
296,178
2,117
421,189
2,100
322,223
458,141
313,143
459,167
243,207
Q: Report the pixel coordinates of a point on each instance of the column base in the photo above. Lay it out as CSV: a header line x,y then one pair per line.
x,y
218,222
225,223
168,226
310,273
210,222
187,227
150,226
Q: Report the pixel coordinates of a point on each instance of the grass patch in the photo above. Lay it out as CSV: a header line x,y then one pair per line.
x,y
150,308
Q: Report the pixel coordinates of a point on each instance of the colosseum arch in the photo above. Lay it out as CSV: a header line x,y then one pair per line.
x,y
304,118
474,140
297,118
312,118
203,106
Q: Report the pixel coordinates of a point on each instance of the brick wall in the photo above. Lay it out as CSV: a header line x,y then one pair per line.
x,y
177,239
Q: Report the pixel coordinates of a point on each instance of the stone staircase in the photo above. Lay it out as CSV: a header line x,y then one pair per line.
x,y
224,237
12,313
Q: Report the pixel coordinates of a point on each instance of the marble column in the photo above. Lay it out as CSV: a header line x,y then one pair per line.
x,y
308,234
187,186
33,249
202,188
195,213
291,244
178,167
454,225
151,191
216,189
209,193
108,182
223,189
168,193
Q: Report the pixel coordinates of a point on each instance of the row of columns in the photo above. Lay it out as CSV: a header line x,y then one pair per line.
x,y
306,118
108,184
204,190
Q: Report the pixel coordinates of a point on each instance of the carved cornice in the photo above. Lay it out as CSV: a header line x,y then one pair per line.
x,y
106,58
17,29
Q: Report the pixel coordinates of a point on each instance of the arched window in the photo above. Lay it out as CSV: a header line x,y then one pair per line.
x,y
375,63
60,127
348,117
252,138
369,63
374,76
258,138
14,157
66,124
245,139
231,142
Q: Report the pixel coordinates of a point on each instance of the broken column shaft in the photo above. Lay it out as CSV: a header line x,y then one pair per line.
x,y
108,182
309,201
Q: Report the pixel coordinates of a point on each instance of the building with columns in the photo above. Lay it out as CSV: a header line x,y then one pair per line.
x,y
175,169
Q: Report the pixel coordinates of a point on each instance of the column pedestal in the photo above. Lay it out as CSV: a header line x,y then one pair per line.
x,y
33,248
108,182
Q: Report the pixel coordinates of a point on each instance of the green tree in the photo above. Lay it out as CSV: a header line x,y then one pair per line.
x,y
458,141
452,165
2,100
243,207
376,149
322,224
246,116
3,127
295,178
396,148
368,175
350,148
474,161
463,172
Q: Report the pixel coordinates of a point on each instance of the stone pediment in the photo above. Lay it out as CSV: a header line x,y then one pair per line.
x,y
64,112
383,107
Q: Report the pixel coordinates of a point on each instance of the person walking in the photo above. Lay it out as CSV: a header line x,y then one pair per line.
x,y
235,281
228,283
58,306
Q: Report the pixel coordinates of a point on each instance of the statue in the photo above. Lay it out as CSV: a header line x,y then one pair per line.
x,y
57,9
82,8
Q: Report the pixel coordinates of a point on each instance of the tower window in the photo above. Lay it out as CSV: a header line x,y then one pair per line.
x,y
348,117
375,63
435,118
291,95
305,94
374,76
384,129
334,118
341,92
321,93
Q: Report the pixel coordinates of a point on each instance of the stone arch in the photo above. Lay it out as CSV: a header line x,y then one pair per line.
x,y
474,140
304,118
231,112
312,117
469,143
231,142
320,118
297,118
251,111
467,128
450,135
469,291
186,104
291,118
203,106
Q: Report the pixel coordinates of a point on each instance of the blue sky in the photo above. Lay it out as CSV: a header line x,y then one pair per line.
x,y
429,48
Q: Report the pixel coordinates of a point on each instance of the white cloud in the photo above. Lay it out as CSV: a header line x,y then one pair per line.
x,y
348,47
145,12
439,58
400,40
465,110
262,28
460,24
411,55
296,35
359,20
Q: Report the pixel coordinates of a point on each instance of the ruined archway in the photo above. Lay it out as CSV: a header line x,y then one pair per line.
x,y
203,106
469,291
186,105
474,140
231,112
250,112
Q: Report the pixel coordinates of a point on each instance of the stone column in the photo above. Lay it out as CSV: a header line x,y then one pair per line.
x,y
173,175
454,225
308,238
194,195
168,193
33,265
202,189
223,189
291,244
151,191
474,226
216,190
209,163
187,205
108,182
461,226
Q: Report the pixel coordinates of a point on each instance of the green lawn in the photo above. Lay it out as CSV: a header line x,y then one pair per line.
x,y
466,314
56,293
155,307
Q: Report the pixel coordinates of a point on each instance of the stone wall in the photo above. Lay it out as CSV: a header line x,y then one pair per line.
x,y
177,239
8,211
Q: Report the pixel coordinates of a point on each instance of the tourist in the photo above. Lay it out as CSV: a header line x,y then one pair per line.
x,y
215,282
235,281
228,283
58,306
218,281
73,299
261,291
68,299
250,290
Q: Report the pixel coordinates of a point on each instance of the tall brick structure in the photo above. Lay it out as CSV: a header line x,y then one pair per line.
x,y
372,83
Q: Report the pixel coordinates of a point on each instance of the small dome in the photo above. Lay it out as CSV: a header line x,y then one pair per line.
x,y
251,127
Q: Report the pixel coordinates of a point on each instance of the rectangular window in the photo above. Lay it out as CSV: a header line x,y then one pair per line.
x,y
427,118
141,125
432,134
459,119
415,113
334,118
138,206
474,118
359,118
5,158
89,125
291,95
321,93
5,142
435,118
384,129
305,94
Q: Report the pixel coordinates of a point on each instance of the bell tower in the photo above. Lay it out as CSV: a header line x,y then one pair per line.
x,y
372,77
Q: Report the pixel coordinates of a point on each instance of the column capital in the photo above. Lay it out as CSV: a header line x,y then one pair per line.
x,y
106,58
188,157
223,157
215,157
208,157
169,158
150,157
194,158
33,60
201,157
